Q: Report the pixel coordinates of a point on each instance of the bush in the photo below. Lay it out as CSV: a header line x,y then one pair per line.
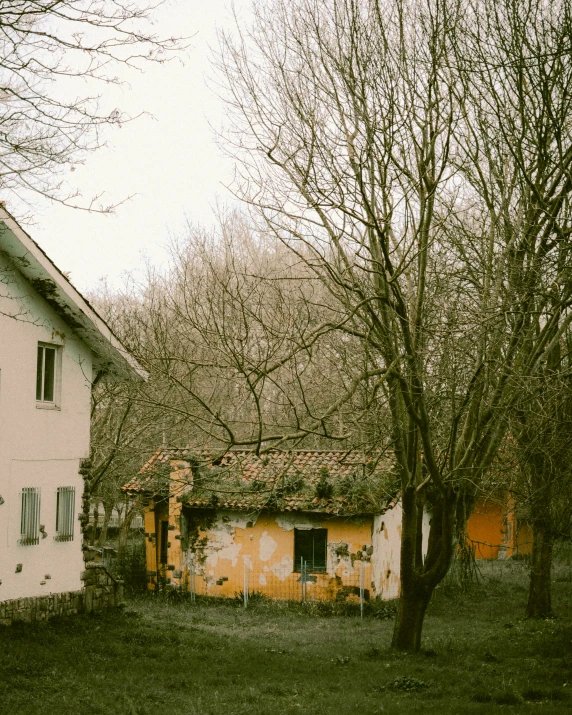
x,y
404,684
253,597
131,567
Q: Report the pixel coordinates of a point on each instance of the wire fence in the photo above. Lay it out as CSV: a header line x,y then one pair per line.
x,y
305,584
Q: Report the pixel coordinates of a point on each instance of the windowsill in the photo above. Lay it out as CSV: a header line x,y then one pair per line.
x,y
47,406
318,570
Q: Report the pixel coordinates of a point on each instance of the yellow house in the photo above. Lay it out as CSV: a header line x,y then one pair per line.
x,y
293,525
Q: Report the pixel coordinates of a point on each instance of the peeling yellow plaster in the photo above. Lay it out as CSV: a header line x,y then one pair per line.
x,y
267,546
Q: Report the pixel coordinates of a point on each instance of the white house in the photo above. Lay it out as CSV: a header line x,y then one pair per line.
x,y
52,344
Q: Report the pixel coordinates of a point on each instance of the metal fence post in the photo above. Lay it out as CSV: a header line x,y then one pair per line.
x,y
303,570
192,584
361,587
245,591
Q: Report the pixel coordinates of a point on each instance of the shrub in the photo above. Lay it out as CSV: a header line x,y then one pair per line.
x,y
404,684
131,567
253,597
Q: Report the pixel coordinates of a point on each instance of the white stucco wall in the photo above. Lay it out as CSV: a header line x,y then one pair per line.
x,y
386,551
38,447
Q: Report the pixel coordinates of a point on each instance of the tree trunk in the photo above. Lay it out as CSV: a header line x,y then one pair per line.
x,y
418,578
409,622
539,601
124,527
108,512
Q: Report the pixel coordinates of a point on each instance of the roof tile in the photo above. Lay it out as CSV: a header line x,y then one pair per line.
x,y
275,480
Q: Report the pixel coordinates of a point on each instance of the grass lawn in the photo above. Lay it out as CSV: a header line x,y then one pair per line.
x,y
161,656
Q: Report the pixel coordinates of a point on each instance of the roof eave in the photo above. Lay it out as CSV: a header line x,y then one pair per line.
x,y
110,356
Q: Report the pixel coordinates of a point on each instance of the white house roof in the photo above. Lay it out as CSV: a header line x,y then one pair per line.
x,y
49,282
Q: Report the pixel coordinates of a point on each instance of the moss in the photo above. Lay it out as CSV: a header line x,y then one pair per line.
x,y
48,289
45,287
324,488
193,522
342,550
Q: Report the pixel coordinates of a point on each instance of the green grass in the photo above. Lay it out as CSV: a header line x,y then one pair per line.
x,y
166,656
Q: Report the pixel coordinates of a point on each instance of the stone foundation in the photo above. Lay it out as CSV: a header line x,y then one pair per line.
x,y
100,593
101,590
40,608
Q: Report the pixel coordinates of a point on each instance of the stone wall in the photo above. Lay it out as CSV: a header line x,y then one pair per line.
x,y
101,592
40,608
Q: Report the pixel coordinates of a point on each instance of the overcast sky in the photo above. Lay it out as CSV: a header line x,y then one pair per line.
x,y
169,162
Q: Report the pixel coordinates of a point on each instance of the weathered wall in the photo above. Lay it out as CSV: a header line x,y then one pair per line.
x,y
101,592
39,447
387,551
492,528
214,551
40,608
260,548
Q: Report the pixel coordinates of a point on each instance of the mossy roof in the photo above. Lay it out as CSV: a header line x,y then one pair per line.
x,y
334,482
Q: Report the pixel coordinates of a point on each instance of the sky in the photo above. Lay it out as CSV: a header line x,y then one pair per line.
x,y
166,160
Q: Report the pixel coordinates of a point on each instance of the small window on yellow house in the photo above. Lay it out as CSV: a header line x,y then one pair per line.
x,y
310,549
164,546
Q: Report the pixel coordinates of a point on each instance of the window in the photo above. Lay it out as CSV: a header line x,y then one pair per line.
x,y
46,374
65,513
310,546
164,553
30,519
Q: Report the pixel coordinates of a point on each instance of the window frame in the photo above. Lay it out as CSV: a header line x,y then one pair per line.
x,y
164,542
313,568
30,516
65,514
42,402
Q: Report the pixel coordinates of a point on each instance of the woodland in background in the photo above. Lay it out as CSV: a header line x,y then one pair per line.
x,y
402,279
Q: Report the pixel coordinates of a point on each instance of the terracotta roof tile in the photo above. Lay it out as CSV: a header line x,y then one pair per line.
x,y
276,480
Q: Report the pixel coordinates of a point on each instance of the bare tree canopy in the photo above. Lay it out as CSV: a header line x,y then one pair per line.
x,y
51,53
415,155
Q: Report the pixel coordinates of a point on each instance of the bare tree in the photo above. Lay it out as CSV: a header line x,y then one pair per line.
x,y
517,74
402,150
125,428
48,50
542,427
239,335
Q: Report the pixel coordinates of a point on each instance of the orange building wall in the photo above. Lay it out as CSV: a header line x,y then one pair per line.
x,y
485,529
495,532
258,551
241,552
153,515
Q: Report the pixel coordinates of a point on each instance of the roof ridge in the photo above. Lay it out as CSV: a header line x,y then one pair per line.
x,y
234,450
